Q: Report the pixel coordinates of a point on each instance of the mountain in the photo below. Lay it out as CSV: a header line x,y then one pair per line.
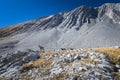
x,y
83,27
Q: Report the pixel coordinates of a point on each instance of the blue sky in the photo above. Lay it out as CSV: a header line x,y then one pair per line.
x,y
16,11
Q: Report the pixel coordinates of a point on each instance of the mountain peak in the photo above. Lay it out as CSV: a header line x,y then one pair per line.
x,y
82,20
115,6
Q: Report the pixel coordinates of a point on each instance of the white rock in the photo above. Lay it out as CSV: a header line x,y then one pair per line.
x,y
69,55
118,66
56,70
80,68
76,56
93,57
119,70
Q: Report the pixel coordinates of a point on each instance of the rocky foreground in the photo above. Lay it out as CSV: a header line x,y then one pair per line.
x,y
64,65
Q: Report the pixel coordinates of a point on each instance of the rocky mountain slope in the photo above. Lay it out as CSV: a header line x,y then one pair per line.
x,y
83,27
90,27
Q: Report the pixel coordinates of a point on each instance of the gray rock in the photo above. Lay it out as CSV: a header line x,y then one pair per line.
x,y
32,56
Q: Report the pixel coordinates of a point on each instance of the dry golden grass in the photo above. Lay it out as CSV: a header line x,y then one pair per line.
x,y
59,76
117,75
2,78
4,32
39,62
27,66
112,53
42,62
6,29
2,38
50,53
25,76
87,60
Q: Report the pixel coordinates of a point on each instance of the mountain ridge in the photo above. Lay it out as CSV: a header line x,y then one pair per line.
x,y
79,21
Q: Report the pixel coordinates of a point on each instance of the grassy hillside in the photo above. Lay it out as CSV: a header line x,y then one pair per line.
x,y
112,53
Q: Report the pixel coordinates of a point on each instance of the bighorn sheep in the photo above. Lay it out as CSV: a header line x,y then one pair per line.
x,y
41,48
63,49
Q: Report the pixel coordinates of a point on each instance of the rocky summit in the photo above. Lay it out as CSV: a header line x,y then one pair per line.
x,y
82,44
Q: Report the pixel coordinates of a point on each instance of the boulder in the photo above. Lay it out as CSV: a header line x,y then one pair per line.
x,y
32,56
